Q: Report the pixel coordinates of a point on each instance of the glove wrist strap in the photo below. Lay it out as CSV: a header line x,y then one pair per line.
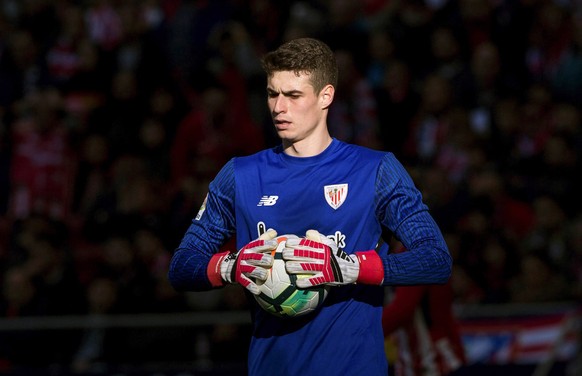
x,y
371,268
213,269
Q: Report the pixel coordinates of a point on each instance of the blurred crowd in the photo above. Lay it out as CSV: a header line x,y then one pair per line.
x,y
116,114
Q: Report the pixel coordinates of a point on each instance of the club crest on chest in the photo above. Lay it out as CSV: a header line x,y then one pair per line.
x,y
335,195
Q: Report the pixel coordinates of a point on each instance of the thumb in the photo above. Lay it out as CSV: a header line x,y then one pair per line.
x,y
268,235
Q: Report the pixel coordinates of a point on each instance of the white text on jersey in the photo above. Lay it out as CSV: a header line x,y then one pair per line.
x,y
268,200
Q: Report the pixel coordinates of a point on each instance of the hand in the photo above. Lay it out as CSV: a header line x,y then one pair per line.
x,y
319,256
251,261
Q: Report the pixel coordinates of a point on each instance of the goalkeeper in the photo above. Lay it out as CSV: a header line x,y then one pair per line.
x,y
342,199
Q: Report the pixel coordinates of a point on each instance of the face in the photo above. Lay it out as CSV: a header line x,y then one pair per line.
x,y
297,111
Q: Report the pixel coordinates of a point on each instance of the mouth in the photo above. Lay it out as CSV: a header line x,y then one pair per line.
x,y
282,125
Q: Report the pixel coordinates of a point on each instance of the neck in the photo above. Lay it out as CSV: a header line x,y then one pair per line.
x,y
307,147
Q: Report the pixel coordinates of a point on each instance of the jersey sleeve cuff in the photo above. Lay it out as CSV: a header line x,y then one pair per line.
x,y
371,268
213,269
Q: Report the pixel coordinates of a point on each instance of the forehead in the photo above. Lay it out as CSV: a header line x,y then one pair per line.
x,y
284,81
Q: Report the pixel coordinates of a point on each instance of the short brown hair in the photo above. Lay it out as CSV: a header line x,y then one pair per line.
x,y
304,55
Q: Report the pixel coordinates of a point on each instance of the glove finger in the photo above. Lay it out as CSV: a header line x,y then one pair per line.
x,y
268,235
314,235
294,254
302,252
258,274
301,267
293,242
261,246
257,259
307,282
305,243
249,285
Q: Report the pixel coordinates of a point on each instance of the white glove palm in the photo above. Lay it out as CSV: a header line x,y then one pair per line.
x,y
251,261
319,256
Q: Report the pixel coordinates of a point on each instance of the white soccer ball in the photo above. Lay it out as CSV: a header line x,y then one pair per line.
x,y
279,295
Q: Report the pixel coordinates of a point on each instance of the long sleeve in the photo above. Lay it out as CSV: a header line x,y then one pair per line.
x,y
400,209
211,229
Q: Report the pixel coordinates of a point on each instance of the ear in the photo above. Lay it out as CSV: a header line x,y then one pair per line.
x,y
326,96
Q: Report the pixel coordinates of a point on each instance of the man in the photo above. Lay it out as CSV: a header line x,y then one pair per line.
x,y
344,197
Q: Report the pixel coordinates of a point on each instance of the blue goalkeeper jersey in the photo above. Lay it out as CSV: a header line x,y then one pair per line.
x,y
349,193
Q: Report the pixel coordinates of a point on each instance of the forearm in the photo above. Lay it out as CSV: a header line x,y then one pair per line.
x,y
427,259
188,267
188,272
212,227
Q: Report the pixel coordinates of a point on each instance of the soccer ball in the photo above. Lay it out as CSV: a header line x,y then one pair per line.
x,y
279,295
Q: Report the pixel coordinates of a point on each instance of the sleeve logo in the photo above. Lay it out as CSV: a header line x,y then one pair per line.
x,y
335,195
202,208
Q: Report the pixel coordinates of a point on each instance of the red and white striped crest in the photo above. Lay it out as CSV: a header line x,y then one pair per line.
x,y
335,195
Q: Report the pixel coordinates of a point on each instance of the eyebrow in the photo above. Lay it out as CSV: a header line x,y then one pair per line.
x,y
285,93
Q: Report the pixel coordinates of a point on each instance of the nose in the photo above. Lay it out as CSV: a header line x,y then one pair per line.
x,y
278,104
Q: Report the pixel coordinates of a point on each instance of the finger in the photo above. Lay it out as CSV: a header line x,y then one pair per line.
x,y
249,285
304,243
302,267
259,273
293,242
296,254
269,234
314,235
261,246
304,283
257,259
304,253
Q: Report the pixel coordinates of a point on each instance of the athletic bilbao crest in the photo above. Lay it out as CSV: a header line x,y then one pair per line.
x,y
335,195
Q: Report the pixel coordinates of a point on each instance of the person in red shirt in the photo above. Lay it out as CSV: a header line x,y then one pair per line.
x,y
208,136
420,321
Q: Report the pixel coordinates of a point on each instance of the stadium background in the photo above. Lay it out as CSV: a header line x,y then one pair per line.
x,y
114,116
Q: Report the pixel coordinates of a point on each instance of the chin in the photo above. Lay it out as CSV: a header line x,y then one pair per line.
x,y
285,135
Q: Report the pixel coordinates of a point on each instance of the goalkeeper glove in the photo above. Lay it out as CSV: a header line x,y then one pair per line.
x,y
251,261
319,256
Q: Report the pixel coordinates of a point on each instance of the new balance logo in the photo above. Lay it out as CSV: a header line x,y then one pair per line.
x,y
268,201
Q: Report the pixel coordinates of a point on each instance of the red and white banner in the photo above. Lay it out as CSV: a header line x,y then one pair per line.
x,y
522,339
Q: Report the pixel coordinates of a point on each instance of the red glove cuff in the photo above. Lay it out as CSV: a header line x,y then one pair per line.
x,y
213,269
371,268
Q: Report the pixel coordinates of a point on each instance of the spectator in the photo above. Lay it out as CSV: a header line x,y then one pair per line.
x,y
208,136
421,323
567,77
93,174
42,162
152,253
381,49
397,102
449,60
20,299
549,232
538,281
503,212
353,117
430,123
93,96
136,286
574,243
99,347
